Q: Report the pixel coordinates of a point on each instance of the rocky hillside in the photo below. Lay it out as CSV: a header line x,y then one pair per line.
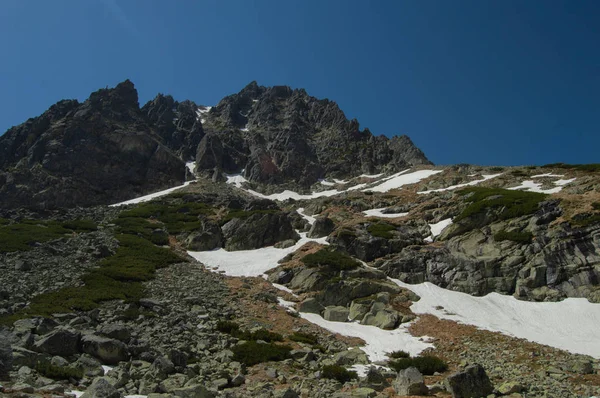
x,y
108,149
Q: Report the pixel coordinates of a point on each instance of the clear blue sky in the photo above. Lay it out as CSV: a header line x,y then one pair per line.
x,y
485,82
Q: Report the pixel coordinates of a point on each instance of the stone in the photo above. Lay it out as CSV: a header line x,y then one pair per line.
x,y
221,383
6,355
62,342
109,351
207,237
510,387
384,319
582,367
101,388
161,368
195,391
336,314
258,230
359,308
350,357
285,393
116,331
410,382
322,226
472,382
238,380
310,305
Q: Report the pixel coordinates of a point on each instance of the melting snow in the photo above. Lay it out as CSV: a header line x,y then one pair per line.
x,y
378,213
151,196
571,324
285,195
379,342
437,228
191,166
340,181
201,112
532,186
249,262
236,179
290,305
400,179
308,218
371,175
285,289
327,183
547,175
485,178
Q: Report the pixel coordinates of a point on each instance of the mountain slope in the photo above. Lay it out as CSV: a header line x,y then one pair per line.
x,y
96,152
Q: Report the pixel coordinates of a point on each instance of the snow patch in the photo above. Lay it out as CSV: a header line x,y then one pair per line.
x,y
371,175
289,305
287,194
151,196
571,324
106,369
327,183
379,342
249,262
311,220
485,178
201,111
236,179
284,288
438,227
547,175
532,186
378,213
191,166
400,179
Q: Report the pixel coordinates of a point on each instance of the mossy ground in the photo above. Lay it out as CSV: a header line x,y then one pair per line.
x,y
23,236
329,258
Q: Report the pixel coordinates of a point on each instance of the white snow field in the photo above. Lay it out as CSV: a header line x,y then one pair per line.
x,y
249,262
151,196
236,179
191,166
471,183
400,179
308,218
571,324
379,342
378,213
437,228
532,186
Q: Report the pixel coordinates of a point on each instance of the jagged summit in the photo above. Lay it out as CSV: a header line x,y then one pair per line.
x,y
108,148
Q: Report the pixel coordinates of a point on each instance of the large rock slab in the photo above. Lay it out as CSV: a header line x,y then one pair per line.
x,y
62,342
410,382
101,388
109,351
472,382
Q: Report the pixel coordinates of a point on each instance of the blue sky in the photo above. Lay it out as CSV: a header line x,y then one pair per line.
x,y
485,82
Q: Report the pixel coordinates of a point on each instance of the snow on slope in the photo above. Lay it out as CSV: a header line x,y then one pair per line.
x,y
571,324
249,262
311,220
485,178
236,179
437,228
400,179
547,175
200,112
191,166
287,194
532,186
151,196
378,213
378,341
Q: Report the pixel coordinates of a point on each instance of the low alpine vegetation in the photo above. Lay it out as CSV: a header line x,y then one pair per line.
x,y
381,230
513,236
327,257
338,373
251,352
234,330
426,364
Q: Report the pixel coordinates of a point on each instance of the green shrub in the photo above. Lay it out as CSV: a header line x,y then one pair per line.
x,y
585,219
426,364
82,225
511,203
250,353
381,230
177,217
24,235
228,327
233,329
496,169
513,236
118,278
58,372
338,373
330,258
399,354
265,335
307,338
596,206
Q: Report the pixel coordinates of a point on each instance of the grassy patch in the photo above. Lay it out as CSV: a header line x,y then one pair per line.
x,y
329,258
399,354
338,373
24,235
251,352
593,167
233,329
306,338
426,364
118,278
58,372
381,230
585,219
176,217
513,236
596,206
510,203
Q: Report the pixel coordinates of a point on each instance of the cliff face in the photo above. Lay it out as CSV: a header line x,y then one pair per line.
x,y
79,154
279,135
